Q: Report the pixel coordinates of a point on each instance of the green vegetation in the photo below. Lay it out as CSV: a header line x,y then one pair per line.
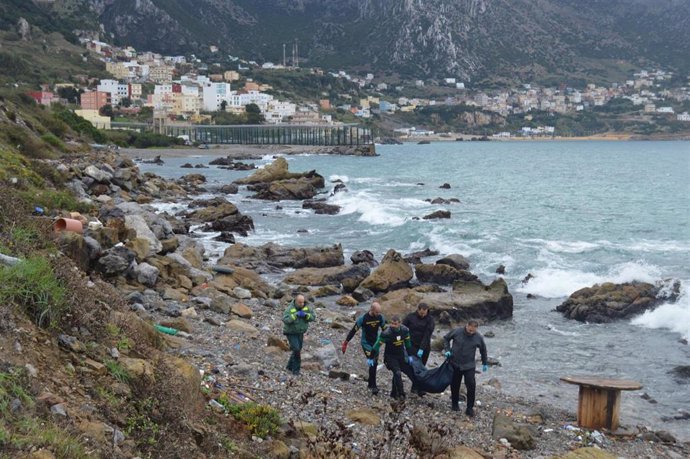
x,y
80,125
117,371
19,430
32,285
262,420
141,424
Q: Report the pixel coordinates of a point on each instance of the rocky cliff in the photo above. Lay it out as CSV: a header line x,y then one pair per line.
x,y
462,38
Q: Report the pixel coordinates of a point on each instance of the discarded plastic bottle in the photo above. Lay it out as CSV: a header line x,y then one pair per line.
x,y
166,330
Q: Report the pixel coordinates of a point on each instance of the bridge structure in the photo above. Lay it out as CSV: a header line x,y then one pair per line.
x,y
262,134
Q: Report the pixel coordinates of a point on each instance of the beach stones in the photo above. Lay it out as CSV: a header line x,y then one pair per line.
x,y
393,273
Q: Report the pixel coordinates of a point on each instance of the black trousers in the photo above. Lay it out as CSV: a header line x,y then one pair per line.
x,y
425,356
470,384
397,365
295,362
372,372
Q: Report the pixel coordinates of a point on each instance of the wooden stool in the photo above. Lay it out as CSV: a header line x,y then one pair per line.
x,y
599,400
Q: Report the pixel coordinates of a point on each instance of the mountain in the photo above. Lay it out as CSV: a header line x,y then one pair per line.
x,y
469,39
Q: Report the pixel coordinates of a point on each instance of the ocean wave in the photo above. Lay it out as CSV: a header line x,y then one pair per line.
x,y
446,244
565,246
555,282
374,209
658,246
670,316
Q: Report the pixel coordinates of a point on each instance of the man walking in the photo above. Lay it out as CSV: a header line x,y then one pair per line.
x,y
396,357
466,341
421,326
295,323
371,323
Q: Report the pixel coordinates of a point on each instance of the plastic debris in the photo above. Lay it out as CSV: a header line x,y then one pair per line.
x,y
166,330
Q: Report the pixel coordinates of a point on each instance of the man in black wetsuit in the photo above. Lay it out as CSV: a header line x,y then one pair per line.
x,y
372,323
462,354
396,357
421,326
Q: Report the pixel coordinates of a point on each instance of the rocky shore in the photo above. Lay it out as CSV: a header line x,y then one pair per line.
x,y
225,318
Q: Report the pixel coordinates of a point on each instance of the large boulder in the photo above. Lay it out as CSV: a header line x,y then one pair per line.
x,y
320,207
214,212
277,170
364,256
442,274
455,260
467,300
519,436
289,189
244,278
146,274
141,229
393,273
274,258
235,223
97,174
115,261
437,215
608,301
328,276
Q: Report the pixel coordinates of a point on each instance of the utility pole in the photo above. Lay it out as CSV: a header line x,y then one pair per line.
x,y
297,52
284,63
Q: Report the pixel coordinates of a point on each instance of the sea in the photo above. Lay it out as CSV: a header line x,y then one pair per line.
x,y
571,213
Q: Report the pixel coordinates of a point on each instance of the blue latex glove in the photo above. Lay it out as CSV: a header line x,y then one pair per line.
x,y
485,368
301,313
370,362
409,360
420,353
447,354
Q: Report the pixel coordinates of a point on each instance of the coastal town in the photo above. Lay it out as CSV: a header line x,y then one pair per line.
x,y
146,86
319,229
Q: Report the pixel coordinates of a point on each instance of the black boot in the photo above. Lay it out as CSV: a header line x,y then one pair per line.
x,y
455,406
469,412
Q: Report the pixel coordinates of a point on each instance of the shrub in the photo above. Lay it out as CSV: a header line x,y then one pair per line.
x,y
262,420
32,285
55,200
80,125
117,371
51,139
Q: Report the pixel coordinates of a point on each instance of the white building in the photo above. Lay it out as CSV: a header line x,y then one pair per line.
x,y
277,111
214,95
117,90
665,110
685,116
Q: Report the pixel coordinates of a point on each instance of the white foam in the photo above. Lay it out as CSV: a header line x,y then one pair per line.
x,y
374,209
447,244
557,282
564,246
560,332
671,316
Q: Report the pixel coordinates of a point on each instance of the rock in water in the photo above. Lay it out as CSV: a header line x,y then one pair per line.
x,y
607,302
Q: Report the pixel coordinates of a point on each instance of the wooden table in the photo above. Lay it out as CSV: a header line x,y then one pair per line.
x,y
599,400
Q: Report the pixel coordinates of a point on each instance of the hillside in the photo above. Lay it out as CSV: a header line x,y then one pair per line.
x,y
469,39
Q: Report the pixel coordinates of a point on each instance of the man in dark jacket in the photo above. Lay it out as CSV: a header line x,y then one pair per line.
x,y
296,320
371,323
396,357
421,326
466,341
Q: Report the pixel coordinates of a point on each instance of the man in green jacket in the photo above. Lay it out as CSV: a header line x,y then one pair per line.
x,y
295,323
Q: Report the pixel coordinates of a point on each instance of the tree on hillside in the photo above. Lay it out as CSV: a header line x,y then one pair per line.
x,y
70,94
223,105
254,115
106,110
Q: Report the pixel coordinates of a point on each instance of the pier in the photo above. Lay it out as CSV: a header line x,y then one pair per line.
x,y
276,134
